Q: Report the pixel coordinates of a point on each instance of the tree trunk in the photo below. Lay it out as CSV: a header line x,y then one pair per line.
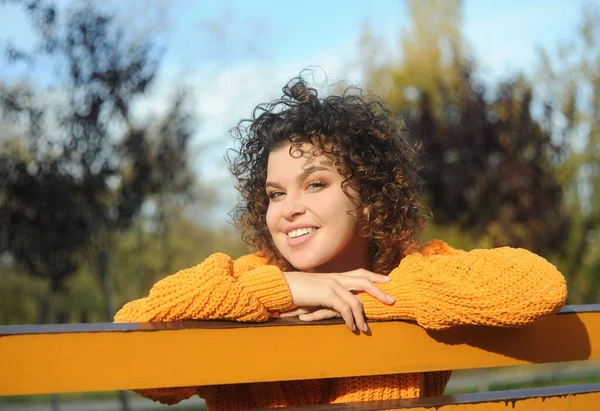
x,y
104,273
164,231
54,404
46,313
124,400
45,308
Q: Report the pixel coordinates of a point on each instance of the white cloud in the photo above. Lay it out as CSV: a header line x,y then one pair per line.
x,y
222,97
504,41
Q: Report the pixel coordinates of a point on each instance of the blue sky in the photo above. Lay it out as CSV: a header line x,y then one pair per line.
x,y
235,54
292,30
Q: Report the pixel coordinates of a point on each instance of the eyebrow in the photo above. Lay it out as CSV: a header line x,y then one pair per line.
x,y
301,176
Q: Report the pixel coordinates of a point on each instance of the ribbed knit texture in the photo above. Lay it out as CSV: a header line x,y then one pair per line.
x,y
504,287
440,287
210,291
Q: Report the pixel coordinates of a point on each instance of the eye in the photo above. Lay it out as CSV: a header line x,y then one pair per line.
x,y
274,195
316,185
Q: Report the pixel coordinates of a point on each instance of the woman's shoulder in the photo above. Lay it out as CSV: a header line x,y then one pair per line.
x,y
439,247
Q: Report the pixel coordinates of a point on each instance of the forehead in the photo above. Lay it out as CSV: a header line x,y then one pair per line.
x,y
297,160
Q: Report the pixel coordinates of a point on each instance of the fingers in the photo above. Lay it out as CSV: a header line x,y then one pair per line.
x,y
345,305
295,313
317,315
356,308
349,307
363,284
376,292
334,292
322,314
362,273
363,280
338,304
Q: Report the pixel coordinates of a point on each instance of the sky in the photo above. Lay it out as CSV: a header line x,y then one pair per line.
x,y
233,55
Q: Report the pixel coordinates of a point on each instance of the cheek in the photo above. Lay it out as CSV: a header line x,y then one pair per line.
x,y
341,209
349,221
271,218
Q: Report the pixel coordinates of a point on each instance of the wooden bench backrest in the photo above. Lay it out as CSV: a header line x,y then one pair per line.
x,y
98,357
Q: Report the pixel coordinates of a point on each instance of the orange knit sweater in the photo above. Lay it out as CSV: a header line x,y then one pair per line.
x,y
439,287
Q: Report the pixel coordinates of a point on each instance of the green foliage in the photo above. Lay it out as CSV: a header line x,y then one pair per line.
x,y
152,249
569,86
74,174
496,174
142,255
19,296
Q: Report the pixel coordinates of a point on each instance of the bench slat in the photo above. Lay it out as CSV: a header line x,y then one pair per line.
x,y
132,356
572,397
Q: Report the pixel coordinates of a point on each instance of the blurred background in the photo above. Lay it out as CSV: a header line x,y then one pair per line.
x,y
115,116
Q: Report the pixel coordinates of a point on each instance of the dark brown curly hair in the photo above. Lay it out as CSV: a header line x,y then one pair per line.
x,y
372,149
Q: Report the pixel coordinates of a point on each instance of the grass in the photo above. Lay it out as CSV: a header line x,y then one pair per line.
x,y
531,384
110,395
45,398
534,384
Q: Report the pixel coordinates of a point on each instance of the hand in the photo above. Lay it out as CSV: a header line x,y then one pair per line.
x,y
333,293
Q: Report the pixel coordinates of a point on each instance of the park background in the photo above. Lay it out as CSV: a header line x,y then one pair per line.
x,y
115,116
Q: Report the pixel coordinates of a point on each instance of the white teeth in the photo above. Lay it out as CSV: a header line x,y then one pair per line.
x,y
301,231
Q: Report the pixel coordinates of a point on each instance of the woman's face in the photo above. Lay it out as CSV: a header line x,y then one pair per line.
x,y
312,221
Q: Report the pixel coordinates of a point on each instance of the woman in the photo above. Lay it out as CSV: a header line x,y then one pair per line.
x,y
330,207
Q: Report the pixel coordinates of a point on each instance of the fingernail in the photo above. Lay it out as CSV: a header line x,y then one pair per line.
x,y
391,299
353,327
366,328
301,316
386,278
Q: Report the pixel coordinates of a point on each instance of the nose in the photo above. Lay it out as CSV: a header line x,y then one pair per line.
x,y
293,206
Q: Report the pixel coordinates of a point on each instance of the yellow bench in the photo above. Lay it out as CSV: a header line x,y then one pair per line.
x,y
41,359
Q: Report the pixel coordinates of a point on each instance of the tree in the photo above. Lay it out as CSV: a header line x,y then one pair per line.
x,y
81,166
569,86
489,164
94,169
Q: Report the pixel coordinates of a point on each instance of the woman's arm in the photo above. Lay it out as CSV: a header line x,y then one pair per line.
x,y
219,288
442,287
211,291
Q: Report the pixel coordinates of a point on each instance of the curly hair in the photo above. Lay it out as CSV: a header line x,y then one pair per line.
x,y
372,150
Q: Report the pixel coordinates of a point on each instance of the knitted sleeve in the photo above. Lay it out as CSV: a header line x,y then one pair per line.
x,y
218,288
210,291
441,287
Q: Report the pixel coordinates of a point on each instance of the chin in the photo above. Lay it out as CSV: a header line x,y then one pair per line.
x,y
302,264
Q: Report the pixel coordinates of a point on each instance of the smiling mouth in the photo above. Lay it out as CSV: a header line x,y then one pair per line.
x,y
300,232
